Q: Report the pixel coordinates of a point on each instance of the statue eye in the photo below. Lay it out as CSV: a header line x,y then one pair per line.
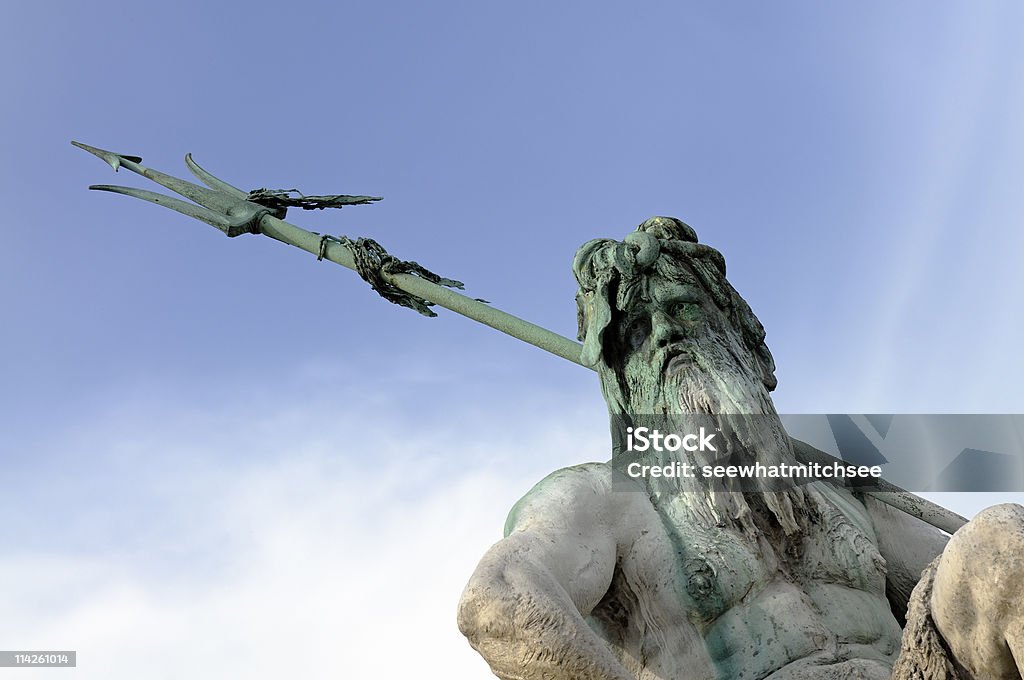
x,y
636,333
684,309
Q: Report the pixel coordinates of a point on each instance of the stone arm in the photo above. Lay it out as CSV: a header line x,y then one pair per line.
x,y
524,608
908,546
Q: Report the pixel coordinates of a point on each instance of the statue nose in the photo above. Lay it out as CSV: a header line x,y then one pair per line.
x,y
665,330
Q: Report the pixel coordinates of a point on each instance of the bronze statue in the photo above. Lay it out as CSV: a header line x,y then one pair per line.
x,y
685,580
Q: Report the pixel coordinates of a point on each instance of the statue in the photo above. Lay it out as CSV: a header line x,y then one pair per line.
x,y
683,580
600,577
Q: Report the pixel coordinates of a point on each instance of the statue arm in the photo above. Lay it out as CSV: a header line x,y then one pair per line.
x,y
908,546
524,607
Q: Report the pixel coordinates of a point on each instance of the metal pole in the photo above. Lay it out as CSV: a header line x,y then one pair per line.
x,y
520,329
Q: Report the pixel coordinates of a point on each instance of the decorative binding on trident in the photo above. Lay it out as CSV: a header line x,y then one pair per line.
x,y
373,262
282,199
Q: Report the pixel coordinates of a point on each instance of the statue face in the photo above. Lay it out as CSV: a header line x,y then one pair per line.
x,y
681,353
668,322
664,326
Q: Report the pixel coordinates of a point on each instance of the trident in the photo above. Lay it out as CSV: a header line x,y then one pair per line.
x,y
262,211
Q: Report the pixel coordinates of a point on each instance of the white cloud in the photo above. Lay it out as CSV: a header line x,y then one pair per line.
x,y
313,555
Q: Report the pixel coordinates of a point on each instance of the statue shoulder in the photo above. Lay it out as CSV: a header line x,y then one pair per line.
x,y
564,490
591,499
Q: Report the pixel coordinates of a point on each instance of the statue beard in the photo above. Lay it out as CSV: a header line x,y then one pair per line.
x,y
713,382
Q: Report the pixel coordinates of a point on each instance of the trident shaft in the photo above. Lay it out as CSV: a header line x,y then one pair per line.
x,y
235,212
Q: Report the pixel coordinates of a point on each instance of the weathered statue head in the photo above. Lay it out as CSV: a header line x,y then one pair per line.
x,y
656,308
675,343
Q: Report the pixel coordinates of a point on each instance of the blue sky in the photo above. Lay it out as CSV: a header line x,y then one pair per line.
x,y
207,442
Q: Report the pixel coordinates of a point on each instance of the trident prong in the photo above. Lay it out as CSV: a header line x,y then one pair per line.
x,y
212,182
223,206
184,207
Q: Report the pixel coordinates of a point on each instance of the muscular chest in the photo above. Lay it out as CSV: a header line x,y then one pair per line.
x,y
705,571
710,598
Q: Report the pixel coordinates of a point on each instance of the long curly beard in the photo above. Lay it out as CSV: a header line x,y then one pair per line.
x,y
711,382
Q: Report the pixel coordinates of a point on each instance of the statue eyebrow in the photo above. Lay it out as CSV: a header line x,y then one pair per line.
x,y
687,292
690,294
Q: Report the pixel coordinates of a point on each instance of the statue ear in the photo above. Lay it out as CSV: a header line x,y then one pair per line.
x,y
595,317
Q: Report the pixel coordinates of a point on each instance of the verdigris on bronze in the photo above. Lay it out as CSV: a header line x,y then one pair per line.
x,y
683,579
